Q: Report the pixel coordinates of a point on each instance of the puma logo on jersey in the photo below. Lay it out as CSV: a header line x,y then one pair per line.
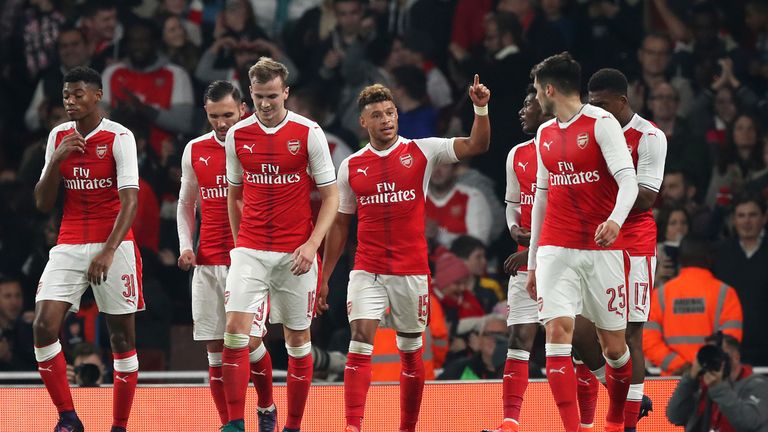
x,y
621,380
298,378
547,144
560,371
230,364
364,171
48,369
584,381
204,160
522,165
121,378
263,372
249,147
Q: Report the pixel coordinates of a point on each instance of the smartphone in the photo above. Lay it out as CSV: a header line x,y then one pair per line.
x,y
672,252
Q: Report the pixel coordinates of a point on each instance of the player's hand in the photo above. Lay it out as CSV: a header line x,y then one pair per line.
x,y
530,285
73,142
321,305
606,233
97,271
479,93
187,260
520,235
515,261
303,257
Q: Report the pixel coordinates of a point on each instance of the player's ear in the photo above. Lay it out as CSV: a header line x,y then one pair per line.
x,y
362,121
286,91
99,94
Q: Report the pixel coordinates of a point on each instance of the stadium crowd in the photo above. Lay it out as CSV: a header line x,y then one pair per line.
x,y
698,69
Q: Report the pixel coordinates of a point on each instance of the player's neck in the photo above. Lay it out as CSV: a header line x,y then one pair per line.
x,y
383,145
567,108
88,123
625,117
275,120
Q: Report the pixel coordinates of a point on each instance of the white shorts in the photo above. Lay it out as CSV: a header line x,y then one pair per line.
x,y
641,271
208,316
407,297
65,278
261,283
521,308
587,282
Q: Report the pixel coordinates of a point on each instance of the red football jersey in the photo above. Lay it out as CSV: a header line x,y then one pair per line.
x,y
91,180
204,180
388,190
463,210
521,182
274,166
648,146
577,164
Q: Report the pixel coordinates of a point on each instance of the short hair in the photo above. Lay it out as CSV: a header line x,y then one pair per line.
x,y
412,79
659,35
507,23
84,74
266,69
727,340
608,79
487,319
147,24
92,7
85,349
750,197
220,89
530,90
464,245
372,94
71,28
695,251
7,278
559,70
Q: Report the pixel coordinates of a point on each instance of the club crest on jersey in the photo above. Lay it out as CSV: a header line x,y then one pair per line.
x,y
101,150
406,160
582,140
294,146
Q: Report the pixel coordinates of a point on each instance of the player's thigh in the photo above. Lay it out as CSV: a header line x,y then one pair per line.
x,y
558,283
121,293
209,318
521,308
640,278
65,275
605,290
247,288
291,297
366,296
408,302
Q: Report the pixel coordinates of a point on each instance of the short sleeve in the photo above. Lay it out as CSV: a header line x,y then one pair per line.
x,y
347,199
542,173
512,193
651,154
50,146
612,144
320,162
126,164
438,150
234,168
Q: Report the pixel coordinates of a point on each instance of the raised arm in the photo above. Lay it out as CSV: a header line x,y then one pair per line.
x,y
480,137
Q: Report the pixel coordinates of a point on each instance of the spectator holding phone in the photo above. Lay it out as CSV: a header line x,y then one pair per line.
x,y
673,224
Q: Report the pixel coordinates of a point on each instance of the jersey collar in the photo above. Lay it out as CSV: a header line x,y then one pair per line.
x,y
382,153
632,123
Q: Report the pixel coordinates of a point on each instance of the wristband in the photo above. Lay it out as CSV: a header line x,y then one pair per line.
x,y
480,110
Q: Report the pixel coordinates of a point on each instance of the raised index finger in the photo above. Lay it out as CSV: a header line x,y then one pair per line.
x,y
477,80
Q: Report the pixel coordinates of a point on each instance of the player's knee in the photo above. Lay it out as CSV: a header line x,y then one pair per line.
x,y
43,331
253,343
120,341
614,351
520,340
635,338
559,331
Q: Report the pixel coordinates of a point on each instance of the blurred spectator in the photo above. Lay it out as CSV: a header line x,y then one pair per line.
x,y
488,362
73,52
472,251
103,31
33,47
16,349
467,30
176,43
673,224
554,14
731,399
756,42
687,309
186,14
148,87
759,180
35,262
654,57
274,15
416,117
454,209
33,158
418,50
480,180
685,145
738,161
741,261
308,33
87,368
453,288
313,102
